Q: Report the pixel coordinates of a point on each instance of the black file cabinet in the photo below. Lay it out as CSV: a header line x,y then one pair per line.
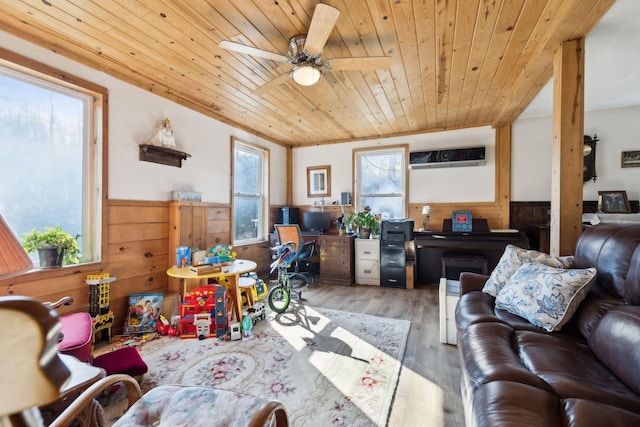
x,y
393,252
393,260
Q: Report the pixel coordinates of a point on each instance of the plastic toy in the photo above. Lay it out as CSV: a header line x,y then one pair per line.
x,y
202,322
222,252
247,327
234,330
255,313
205,300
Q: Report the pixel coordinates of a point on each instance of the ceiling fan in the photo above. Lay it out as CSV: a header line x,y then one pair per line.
x,y
305,53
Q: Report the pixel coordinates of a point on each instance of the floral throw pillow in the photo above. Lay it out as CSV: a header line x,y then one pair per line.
x,y
511,260
547,297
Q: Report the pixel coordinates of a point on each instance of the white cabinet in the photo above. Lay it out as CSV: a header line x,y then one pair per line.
x,y
449,294
367,261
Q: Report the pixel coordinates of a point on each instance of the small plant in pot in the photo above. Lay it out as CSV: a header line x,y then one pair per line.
x,y
54,246
365,222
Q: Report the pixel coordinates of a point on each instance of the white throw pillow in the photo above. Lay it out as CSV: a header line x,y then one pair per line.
x,y
547,297
511,260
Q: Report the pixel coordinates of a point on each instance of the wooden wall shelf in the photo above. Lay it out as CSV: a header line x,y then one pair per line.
x,y
162,155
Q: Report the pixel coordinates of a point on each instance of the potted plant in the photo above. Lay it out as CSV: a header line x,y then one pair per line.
x,y
365,222
54,246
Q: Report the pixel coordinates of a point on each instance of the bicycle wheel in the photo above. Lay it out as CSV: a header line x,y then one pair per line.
x,y
278,298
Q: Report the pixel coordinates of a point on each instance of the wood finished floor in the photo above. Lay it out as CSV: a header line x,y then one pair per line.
x,y
428,392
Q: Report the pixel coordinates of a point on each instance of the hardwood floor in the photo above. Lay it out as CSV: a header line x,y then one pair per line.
x,y
428,392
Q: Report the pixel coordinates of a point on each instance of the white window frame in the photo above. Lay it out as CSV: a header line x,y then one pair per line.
x,y
95,145
263,197
360,154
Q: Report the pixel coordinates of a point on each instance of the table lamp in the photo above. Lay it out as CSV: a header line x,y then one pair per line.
x,y
426,211
13,259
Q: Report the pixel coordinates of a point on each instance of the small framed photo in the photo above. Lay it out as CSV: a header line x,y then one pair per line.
x,y
630,159
319,181
614,201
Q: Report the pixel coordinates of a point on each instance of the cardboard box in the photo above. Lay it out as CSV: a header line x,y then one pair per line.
x,y
190,196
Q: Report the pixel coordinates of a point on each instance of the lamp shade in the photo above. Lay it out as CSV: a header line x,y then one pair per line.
x,y
426,210
13,259
306,75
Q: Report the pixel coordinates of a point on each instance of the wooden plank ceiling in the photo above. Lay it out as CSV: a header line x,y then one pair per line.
x,y
455,63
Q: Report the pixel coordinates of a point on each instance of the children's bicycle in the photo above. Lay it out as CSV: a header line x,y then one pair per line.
x,y
280,293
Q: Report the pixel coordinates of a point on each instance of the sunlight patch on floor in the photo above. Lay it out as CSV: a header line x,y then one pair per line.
x,y
431,405
298,329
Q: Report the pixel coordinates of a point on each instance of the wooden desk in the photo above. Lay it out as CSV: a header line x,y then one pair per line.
x,y
82,377
231,272
432,246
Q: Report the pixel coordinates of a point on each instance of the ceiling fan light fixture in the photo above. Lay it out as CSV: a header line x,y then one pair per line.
x,y
306,74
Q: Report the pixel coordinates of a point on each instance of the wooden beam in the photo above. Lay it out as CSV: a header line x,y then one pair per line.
x,y
503,173
567,160
289,195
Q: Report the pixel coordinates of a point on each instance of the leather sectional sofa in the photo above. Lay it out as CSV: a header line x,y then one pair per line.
x,y
585,374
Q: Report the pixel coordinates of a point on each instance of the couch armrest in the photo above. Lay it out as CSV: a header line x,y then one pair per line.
x,y
471,282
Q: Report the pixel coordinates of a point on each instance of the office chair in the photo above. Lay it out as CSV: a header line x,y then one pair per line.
x,y
304,251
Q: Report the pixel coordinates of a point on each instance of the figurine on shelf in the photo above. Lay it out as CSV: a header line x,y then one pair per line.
x,y
163,135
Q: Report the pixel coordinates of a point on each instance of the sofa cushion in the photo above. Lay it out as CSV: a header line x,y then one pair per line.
x,y
581,412
616,342
511,260
509,403
487,354
545,296
477,307
572,369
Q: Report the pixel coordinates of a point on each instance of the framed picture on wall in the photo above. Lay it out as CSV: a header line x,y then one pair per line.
x,y
614,201
630,159
319,181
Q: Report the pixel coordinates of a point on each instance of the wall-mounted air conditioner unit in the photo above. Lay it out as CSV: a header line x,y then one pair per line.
x,y
472,156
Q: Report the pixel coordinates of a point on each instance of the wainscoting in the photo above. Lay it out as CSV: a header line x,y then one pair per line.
x,y
137,253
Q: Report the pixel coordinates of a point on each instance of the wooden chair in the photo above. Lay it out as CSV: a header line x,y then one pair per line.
x,y
33,372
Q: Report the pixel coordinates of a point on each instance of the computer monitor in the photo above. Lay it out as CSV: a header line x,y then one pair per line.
x,y
316,221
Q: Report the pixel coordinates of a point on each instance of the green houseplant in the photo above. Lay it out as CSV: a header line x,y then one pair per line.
x,y
365,222
54,246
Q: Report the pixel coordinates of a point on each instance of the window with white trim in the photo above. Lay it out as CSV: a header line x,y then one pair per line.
x,y
51,167
381,181
250,195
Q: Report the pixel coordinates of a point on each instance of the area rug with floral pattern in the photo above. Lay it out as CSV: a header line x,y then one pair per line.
x,y
329,368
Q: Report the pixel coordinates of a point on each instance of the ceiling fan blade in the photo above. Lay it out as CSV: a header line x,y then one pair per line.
x,y
248,50
322,22
273,83
364,63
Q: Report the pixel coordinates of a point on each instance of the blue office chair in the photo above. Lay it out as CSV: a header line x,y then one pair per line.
x,y
303,251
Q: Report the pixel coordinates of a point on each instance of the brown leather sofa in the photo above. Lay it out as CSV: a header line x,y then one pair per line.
x,y
586,374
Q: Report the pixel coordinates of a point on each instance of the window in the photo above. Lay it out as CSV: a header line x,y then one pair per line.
x,y
51,163
381,181
249,192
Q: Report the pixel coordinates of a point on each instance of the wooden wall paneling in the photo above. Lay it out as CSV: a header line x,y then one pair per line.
x,y
218,223
129,251
136,242
524,213
138,249
492,212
